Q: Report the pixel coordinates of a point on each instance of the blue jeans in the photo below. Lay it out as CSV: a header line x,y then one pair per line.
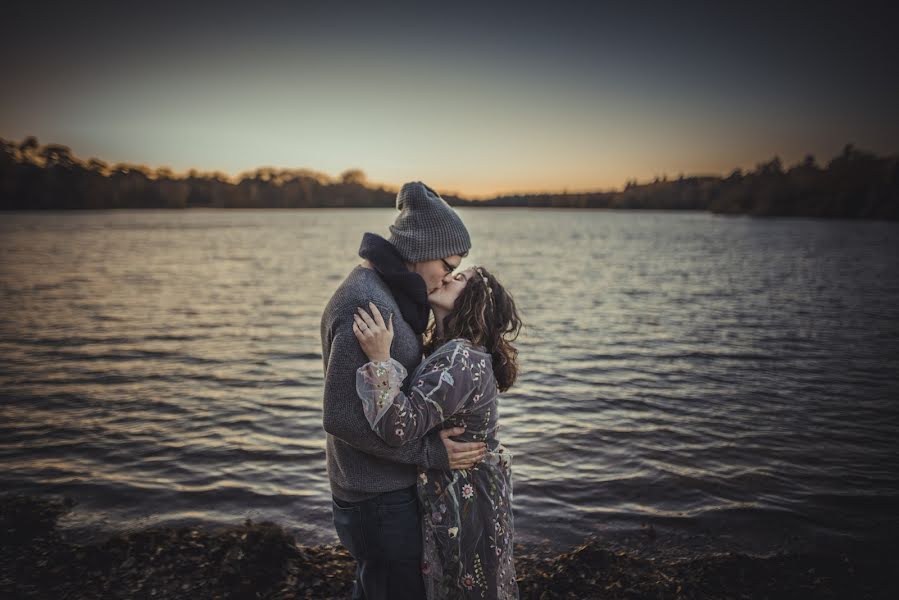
x,y
383,534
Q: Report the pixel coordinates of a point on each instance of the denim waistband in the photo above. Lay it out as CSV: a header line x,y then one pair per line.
x,y
394,497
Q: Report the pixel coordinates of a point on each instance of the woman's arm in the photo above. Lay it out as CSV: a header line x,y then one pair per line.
x,y
341,414
444,386
440,392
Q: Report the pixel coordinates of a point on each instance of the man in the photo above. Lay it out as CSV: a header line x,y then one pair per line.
x,y
375,506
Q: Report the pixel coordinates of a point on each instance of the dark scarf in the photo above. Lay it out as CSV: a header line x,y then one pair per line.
x,y
408,288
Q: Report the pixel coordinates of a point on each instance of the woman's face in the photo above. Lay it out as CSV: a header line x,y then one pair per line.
x,y
444,297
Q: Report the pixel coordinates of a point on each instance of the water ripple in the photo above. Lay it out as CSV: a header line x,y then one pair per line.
x,y
694,372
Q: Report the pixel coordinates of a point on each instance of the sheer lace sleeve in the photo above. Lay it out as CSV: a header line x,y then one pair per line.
x,y
377,383
446,381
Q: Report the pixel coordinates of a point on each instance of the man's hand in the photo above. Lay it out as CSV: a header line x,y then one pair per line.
x,y
462,455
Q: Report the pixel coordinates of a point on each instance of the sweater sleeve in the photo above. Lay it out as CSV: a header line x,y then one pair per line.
x,y
446,383
343,415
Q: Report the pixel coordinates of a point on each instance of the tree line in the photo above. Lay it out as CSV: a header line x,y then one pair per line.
x,y
854,184
35,177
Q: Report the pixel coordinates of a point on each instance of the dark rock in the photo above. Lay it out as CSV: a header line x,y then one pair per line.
x,y
261,560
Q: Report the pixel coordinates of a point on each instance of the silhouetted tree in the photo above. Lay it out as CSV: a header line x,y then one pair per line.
x,y
353,177
853,184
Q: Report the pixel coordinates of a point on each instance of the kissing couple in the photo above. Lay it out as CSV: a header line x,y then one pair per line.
x,y
420,483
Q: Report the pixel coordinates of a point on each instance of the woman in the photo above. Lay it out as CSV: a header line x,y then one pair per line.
x,y
467,523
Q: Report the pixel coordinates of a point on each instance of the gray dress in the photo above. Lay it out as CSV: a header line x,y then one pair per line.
x,y
467,514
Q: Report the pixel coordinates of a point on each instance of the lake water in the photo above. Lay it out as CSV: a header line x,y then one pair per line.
x,y
729,376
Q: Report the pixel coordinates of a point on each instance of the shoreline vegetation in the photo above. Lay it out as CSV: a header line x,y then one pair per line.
x,y
262,560
854,184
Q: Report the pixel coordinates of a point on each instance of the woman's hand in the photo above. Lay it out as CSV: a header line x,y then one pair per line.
x,y
374,336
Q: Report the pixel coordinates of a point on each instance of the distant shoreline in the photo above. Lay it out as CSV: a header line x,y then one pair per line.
x,y
854,184
463,206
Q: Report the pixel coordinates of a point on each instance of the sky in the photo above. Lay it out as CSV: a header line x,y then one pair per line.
x,y
473,98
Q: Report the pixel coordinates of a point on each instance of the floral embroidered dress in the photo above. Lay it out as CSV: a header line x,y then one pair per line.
x,y
467,514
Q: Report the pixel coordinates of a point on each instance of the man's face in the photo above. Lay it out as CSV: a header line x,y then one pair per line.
x,y
435,272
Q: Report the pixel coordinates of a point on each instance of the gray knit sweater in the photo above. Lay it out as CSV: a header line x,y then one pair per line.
x,y
360,464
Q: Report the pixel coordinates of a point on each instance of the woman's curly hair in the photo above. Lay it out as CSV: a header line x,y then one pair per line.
x,y
484,314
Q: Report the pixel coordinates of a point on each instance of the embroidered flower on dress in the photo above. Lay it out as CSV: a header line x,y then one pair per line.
x,y
467,491
436,517
453,532
423,477
400,432
468,581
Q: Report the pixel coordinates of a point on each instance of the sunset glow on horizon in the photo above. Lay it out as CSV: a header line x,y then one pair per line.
x,y
473,100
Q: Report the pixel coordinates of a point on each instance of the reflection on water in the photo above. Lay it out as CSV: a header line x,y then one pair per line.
x,y
695,372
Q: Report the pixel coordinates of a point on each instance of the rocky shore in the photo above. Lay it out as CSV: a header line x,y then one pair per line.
x,y
262,560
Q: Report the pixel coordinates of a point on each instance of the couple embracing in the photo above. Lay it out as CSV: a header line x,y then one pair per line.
x,y
421,485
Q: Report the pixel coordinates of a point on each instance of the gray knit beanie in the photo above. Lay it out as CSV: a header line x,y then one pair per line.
x,y
427,228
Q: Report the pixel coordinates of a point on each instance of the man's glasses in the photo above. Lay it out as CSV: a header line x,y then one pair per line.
x,y
448,268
